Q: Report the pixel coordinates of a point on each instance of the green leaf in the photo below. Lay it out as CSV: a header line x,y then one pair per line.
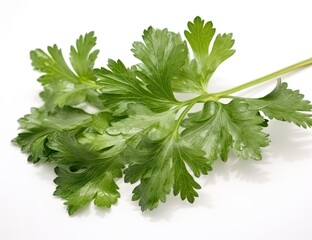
x,y
199,36
53,65
198,71
84,174
121,86
39,125
62,93
80,188
82,58
100,121
128,131
285,104
103,141
62,86
162,54
219,127
142,120
160,165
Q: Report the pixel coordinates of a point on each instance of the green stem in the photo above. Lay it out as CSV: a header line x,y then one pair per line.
x,y
265,78
190,101
189,105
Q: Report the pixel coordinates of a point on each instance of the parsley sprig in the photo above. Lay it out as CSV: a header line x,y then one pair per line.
x,y
140,131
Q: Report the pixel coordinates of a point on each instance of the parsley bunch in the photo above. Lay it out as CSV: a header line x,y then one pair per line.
x,y
140,131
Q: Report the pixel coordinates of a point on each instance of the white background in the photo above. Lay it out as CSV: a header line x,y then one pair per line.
x,y
269,199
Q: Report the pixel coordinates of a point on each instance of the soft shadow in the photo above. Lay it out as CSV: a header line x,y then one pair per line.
x,y
245,170
44,171
89,210
251,171
103,212
288,141
166,211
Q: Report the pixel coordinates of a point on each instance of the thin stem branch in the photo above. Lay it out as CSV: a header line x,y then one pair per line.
x,y
189,106
265,78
